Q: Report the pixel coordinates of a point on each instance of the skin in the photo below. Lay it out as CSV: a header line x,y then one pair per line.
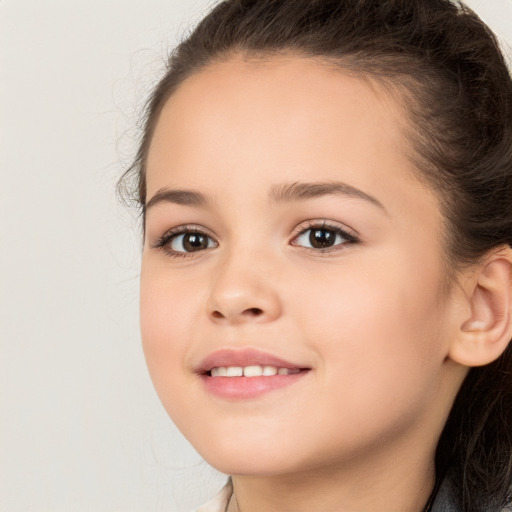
x,y
373,320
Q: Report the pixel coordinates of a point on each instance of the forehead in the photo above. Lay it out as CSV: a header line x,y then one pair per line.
x,y
288,118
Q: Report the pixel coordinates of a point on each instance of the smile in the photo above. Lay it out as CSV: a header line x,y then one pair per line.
x,y
247,373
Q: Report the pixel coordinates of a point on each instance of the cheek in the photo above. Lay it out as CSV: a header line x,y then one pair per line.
x,y
167,327
169,304
381,304
378,335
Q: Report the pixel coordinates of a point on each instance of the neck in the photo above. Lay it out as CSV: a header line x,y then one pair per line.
x,y
388,484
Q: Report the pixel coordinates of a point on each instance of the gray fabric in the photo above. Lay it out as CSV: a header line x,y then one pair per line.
x,y
445,500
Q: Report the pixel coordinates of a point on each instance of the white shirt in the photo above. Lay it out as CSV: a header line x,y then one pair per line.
x,y
220,501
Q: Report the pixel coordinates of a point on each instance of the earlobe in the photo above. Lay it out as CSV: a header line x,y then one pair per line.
x,y
485,332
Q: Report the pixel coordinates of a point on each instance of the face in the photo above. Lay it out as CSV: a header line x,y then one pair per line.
x,y
285,229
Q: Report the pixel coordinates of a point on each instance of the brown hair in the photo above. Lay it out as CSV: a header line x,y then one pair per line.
x,y
453,80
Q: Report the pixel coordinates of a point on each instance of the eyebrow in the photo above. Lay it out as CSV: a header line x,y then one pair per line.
x,y
281,193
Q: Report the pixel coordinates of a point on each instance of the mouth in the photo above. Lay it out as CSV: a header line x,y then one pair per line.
x,y
247,363
243,374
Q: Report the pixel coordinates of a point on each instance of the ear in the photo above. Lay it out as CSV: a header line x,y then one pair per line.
x,y
484,325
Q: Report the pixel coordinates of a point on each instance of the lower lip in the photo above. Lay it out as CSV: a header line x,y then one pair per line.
x,y
249,387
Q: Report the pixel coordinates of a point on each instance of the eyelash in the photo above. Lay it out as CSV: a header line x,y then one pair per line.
x,y
164,241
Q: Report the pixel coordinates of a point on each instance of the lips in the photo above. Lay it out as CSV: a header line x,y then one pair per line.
x,y
244,358
229,379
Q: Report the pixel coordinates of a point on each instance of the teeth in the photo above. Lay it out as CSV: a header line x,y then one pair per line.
x,y
250,371
234,371
269,370
253,371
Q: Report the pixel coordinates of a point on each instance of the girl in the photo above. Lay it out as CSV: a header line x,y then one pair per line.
x,y
326,190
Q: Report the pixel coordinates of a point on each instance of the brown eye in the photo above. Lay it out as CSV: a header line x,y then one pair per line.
x,y
323,237
190,242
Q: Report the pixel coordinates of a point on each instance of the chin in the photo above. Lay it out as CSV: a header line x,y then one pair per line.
x,y
250,468
249,460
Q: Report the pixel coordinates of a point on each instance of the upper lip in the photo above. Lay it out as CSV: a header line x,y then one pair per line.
x,y
245,357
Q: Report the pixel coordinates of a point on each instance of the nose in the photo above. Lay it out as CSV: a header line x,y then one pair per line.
x,y
242,291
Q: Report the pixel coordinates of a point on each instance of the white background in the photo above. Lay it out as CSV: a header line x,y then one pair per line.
x,y
81,428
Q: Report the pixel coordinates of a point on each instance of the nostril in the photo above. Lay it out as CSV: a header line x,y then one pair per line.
x,y
254,311
246,312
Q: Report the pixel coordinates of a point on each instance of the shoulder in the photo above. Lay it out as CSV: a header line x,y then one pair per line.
x,y
220,501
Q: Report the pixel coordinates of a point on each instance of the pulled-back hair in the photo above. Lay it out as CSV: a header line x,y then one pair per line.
x,y
445,67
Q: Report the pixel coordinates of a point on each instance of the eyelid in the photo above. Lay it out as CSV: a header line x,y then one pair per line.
x,y
352,234
188,228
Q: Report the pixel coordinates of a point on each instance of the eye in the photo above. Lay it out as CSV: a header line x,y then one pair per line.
x,y
184,240
318,237
323,236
